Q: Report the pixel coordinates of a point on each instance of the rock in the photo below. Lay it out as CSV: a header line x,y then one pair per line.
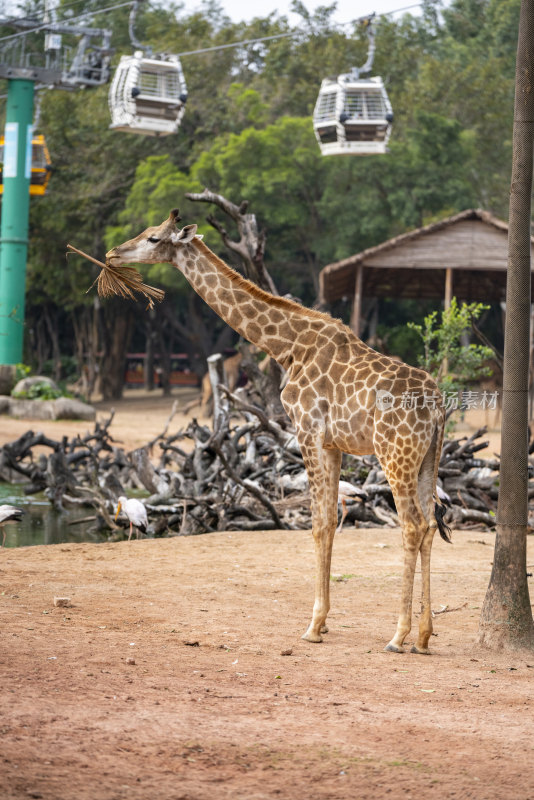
x,y
62,408
4,404
25,384
62,601
69,408
31,409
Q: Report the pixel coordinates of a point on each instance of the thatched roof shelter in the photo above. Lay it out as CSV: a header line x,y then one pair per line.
x,y
465,256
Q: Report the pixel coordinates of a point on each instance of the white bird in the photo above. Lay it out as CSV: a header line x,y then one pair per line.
x,y
136,513
9,514
346,491
443,496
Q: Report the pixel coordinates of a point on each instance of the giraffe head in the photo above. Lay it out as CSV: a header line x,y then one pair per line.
x,y
155,245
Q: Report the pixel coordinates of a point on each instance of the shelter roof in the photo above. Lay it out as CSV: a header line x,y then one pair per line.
x,y
473,243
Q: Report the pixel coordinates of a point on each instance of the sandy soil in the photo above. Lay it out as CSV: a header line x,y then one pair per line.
x,y
177,671
139,417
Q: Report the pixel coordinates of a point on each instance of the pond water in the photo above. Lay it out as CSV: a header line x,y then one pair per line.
x,y
41,523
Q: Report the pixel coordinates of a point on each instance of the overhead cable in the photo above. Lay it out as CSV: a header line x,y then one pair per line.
x,y
203,49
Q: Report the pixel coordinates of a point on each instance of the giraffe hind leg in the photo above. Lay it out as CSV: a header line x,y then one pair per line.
x,y
425,491
425,620
344,512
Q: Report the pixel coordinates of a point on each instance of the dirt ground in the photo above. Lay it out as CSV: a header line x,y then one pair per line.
x,y
139,417
177,672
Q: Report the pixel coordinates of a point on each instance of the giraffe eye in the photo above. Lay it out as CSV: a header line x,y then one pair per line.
x,y
153,240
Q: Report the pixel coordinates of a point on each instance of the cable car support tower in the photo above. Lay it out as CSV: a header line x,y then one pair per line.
x,y
59,68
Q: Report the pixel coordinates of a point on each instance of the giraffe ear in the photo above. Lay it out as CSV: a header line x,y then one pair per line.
x,y
184,236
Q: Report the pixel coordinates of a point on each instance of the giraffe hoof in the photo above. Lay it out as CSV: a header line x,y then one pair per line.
x,y
312,637
392,648
422,651
324,629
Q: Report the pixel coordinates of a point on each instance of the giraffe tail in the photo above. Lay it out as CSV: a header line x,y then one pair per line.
x,y
439,508
443,528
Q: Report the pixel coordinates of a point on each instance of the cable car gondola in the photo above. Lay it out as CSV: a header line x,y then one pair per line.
x,y
40,169
147,95
353,115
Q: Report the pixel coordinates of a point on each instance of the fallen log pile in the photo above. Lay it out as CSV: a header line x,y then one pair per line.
x,y
244,474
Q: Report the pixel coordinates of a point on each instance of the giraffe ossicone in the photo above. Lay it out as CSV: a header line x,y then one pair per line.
x,y
341,396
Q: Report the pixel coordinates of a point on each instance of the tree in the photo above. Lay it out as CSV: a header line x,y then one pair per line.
x,y
506,617
446,357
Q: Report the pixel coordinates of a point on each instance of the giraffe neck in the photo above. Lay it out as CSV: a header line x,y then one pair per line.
x,y
274,324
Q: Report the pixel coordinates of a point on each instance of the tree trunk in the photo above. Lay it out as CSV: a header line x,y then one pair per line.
x,y
148,366
164,339
40,345
196,335
117,321
506,618
52,325
85,326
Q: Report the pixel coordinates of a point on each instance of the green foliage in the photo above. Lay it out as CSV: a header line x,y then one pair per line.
x,y
453,363
21,371
39,391
249,108
402,341
69,371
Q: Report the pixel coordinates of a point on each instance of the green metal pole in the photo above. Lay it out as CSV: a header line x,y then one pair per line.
x,y
15,213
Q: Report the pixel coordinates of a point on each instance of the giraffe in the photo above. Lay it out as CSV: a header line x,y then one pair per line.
x,y
341,396
232,366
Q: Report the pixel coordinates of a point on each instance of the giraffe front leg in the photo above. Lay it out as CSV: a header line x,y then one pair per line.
x,y
425,622
321,606
324,483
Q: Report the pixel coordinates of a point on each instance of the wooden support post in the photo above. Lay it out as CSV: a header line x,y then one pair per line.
x,y
448,288
356,316
446,306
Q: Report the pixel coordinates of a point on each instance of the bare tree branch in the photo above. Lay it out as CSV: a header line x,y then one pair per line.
x,y
251,245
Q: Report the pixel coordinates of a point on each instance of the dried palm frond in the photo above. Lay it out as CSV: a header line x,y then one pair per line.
x,y
115,279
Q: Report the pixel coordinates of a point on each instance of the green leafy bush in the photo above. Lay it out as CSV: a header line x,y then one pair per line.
x,y
453,364
39,391
21,371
